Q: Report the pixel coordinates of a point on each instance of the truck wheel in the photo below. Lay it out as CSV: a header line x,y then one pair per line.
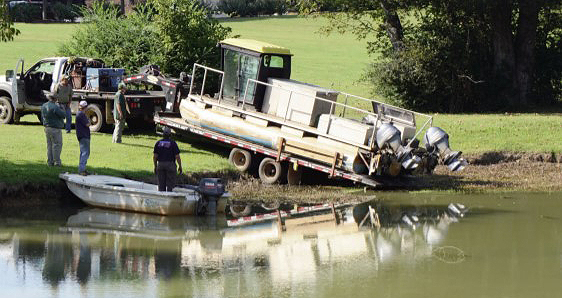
x,y
241,159
294,177
270,171
6,110
97,120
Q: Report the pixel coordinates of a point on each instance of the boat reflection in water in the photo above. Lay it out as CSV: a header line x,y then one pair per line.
x,y
97,246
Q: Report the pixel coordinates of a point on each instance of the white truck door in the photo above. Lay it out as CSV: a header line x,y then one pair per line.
x,y
18,86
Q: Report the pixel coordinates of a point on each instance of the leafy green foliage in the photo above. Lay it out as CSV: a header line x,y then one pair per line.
x,y
171,33
25,12
124,42
244,8
449,59
61,11
7,31
187,34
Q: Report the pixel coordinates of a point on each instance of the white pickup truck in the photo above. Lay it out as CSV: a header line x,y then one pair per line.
x,y
23,92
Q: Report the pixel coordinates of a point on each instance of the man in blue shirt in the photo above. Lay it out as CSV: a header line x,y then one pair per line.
x,y
53,120
83,135
166,151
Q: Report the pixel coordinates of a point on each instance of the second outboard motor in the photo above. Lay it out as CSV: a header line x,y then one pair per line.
x,y
437,139
390,135
211,189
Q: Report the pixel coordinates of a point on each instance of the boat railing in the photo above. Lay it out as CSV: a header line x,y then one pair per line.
x,y
382,112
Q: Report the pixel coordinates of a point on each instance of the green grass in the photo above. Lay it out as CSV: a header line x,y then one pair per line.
x,y
35,41
24,154
335,61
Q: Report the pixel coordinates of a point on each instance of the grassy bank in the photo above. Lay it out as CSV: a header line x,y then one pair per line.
x,y
335,61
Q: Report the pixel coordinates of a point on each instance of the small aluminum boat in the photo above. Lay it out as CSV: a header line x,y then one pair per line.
x,y
125,194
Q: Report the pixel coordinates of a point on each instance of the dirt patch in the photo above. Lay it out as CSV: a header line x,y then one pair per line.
x,y
488,172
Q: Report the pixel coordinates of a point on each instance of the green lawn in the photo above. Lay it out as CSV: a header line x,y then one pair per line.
x,y
24,154
35,41
335,61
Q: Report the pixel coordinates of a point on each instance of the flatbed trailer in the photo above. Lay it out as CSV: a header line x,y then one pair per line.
x,y
174,121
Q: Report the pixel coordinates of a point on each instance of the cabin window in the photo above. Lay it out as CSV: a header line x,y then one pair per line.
x,y
238,68
273,61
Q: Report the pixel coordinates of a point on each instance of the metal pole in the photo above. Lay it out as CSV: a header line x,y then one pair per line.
x,y
203,85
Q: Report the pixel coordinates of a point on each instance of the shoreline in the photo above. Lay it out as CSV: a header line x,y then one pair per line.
x,y
487,172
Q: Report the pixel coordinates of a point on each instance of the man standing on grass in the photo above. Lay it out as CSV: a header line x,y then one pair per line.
x,y
120,110
83,135
63,94
166,153
53,120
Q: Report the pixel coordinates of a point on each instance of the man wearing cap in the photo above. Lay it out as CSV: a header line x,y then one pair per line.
x,y
83,135
63,93
52,117
166,154
120,110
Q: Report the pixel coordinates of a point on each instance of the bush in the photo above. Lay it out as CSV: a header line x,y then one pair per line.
x,y
124,42
61,11
173,34
188,35
244,8
24,12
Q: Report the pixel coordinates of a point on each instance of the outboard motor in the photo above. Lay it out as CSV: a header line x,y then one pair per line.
x,y
211,189
390,135
437,139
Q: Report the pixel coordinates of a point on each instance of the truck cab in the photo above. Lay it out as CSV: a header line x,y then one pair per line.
x,y
23,92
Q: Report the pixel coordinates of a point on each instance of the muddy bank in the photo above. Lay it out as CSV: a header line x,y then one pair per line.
x,y
492,171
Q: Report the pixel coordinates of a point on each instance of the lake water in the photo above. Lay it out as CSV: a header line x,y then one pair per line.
x,y
421,245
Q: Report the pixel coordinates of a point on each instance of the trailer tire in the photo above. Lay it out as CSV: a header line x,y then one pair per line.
x,y
240,210
6,110
241,159
271,171
96,117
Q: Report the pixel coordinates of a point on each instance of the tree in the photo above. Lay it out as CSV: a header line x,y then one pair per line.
x,y
7,30
188,33
458,55
171,33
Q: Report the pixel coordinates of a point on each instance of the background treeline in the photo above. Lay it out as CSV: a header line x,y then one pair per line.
x,y
172,34
23,11
429,55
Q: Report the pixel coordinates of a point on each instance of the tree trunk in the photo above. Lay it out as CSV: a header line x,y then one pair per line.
x,y
44,12
525,49
393,26
504,54
123,7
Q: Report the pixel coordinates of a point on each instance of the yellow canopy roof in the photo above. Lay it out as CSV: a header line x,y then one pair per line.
x,y
256,46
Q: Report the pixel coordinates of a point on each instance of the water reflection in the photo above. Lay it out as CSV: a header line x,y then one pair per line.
x,y
309,253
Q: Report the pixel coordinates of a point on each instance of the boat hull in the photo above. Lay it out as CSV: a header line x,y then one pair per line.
x,y
124,194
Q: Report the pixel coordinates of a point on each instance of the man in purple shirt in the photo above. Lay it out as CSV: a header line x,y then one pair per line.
x,y
83,135
166,154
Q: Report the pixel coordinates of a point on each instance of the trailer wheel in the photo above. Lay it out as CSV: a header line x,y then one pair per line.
x,y
240,210
6,110
97,120
270,171
241,159
294,176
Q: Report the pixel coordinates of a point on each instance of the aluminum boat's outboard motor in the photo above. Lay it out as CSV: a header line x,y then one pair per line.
x,y
390,135
437,139
211,189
